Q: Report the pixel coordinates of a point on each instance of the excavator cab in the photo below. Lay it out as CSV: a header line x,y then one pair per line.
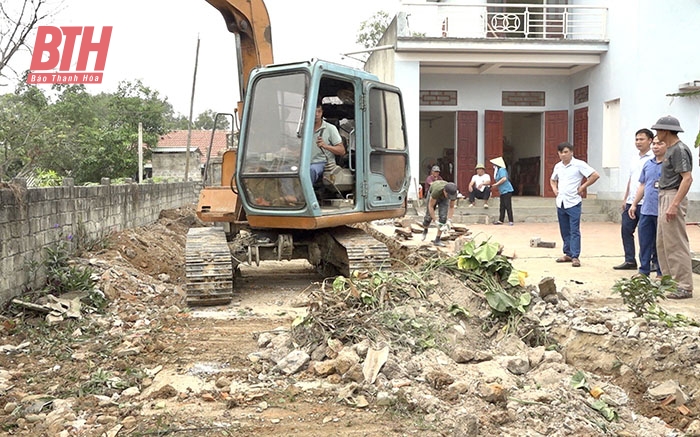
x,y
277,142
262,200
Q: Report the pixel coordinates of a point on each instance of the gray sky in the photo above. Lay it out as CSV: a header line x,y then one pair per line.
x,y
155,41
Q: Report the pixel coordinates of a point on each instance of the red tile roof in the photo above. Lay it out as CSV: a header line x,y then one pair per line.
x,y
200,139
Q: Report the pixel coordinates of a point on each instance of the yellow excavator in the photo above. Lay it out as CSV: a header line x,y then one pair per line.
x,y
264,199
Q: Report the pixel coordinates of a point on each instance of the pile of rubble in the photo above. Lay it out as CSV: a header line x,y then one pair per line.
x,y
488,383
423,346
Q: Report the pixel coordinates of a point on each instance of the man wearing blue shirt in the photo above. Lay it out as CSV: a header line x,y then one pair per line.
x,y
649,211
566,182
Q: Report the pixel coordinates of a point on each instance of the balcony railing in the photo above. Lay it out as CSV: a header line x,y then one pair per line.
x,y
512,21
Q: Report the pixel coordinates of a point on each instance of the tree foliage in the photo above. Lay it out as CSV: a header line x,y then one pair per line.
x,y
205,120
372,29
74,133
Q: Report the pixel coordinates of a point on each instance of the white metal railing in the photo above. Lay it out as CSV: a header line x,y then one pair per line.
x,y
497,20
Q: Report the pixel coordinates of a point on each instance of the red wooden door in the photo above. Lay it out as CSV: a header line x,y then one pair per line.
x,y
581,135
556,130
493,141
466,149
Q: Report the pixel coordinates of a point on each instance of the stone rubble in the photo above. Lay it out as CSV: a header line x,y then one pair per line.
x,y
483,383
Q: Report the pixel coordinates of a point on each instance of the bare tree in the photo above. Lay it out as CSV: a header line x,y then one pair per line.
x,y
17,22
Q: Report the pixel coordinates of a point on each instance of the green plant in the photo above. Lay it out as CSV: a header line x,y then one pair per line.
x,y
97,300
655,312
484,258
492,268
60,275
491,276
639,293
102,382
47,178
578,381
84,242
458,311
373,288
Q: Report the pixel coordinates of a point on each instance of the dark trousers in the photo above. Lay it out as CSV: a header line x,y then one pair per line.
x,y
627,228
442,207
476,194
647,244
506,206
570,229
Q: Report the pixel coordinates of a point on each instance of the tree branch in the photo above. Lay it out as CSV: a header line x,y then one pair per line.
x,y
14,38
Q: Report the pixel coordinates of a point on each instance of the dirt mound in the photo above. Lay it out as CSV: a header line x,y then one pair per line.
x,y
157,249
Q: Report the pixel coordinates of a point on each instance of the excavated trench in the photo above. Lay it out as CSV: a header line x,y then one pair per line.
x,y
629,353
637,363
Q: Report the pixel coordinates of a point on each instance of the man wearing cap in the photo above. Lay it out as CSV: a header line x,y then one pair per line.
x,y
672,245
442,196
566,183
480,186
432,177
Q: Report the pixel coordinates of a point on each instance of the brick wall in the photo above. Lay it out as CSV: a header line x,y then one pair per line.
x,y
31,219
438,98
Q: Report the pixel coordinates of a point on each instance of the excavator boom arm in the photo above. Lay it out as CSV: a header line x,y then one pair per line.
x,y
249,20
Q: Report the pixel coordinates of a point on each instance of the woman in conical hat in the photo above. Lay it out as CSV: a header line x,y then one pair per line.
x,y
506,190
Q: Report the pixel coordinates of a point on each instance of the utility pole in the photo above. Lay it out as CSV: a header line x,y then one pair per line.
x,y
189,124
140,152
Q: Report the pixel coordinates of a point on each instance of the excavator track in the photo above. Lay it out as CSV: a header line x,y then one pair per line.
x,y
363,252
208,267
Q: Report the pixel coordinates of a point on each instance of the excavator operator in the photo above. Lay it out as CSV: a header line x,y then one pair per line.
x,y
329,144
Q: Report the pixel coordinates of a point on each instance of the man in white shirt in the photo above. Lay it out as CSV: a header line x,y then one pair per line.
x,y
642,140
480,186
566,184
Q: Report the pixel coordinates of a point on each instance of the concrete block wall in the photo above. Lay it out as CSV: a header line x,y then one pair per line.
x,y
33,218
438,98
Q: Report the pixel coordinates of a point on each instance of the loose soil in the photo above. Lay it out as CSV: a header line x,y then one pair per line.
x,y
185,362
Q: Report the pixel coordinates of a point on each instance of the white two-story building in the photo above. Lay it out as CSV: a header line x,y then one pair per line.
x,y
503,78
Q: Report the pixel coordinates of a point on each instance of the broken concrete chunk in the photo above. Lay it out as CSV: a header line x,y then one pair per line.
x,y
493,393
547,287
354,374
518,365
373,363
293,362
663,390
324,368
334,347
346,359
